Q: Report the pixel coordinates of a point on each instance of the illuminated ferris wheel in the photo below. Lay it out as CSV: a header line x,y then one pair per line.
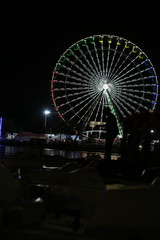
x,y
99,71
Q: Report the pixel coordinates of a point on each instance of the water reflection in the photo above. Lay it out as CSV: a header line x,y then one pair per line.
x,y
12,150
70,154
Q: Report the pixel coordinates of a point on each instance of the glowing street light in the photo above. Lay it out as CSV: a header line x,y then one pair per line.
x,y
46,113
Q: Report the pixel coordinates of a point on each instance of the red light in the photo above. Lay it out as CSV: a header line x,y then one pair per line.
x,y
54,74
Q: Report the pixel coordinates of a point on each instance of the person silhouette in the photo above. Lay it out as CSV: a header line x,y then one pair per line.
x,y
111,129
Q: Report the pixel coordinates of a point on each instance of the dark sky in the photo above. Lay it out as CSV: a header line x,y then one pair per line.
x,y
34,39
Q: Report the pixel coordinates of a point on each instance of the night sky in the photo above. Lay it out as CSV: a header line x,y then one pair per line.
x,y
34,39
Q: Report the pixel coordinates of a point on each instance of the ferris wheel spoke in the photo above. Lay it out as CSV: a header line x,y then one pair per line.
x,y
75,94
92,59
90,70
98,110
86,116
107,62
84,71
71,83
102,51
136,97
124,61
132,69
137,91
72,109
70,89
92,109
97,57
138,85
131,101
93,68
115,51
103,103
75,72
125,103
129,76
121,83
82,102
122,104
152,94
129,64
81,80
75,99
117,62
118,106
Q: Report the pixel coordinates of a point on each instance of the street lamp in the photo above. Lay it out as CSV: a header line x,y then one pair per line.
x,y
46,113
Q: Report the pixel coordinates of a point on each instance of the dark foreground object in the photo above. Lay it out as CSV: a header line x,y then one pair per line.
x,y
80,199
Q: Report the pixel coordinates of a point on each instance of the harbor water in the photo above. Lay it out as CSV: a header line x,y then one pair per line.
x,y
72,154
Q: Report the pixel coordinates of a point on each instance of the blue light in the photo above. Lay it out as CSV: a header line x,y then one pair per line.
x,y
0,127
154,78
153,104
155,87
155,95
147,63
151,70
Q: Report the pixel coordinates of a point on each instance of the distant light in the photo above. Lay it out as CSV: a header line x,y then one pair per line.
x,y
152,131
0,127
46,112
38,199
105,86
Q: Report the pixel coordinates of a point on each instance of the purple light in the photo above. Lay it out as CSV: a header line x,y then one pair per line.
x,y
0,127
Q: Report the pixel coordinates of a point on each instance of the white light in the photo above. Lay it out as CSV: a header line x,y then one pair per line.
x,y
46,112
152,131
105,86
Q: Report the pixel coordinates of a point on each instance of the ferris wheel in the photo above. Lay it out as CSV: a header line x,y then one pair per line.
x,y
98,71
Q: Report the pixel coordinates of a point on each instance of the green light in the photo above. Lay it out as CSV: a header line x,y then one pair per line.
x,y
83,43
76,47
62,59
113,111
92,40
58,66
68,53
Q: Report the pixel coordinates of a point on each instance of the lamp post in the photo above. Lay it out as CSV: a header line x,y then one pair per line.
x,y
46,113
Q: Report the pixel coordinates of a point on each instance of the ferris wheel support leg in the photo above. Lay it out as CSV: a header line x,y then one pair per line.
x,y
120,128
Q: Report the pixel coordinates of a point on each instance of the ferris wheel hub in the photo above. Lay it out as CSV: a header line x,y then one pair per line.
x,y
105,86
102,83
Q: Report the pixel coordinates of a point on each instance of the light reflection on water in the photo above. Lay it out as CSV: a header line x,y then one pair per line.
x,y
10,150
76,154
13,150
70,154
